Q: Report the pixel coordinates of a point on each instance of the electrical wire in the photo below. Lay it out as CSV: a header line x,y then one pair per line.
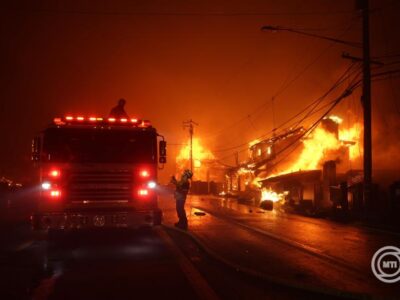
x,y
213,14
349,90
261,109
338,82
307,132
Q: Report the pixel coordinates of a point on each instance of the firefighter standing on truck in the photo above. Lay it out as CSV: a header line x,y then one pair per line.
x,y
182,189
119,110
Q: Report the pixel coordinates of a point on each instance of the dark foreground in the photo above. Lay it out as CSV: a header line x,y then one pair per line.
x,y
149,263
232,251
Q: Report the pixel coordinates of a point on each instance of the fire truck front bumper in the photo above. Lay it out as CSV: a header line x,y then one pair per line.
x,y
82,220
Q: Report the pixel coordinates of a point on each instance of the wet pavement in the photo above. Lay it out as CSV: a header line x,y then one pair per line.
x,y
109,264
231,251
310,253
93,265
352,244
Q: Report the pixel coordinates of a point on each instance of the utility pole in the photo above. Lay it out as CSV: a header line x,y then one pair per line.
x,y
363,6
237,158
366,102
189,124
273,117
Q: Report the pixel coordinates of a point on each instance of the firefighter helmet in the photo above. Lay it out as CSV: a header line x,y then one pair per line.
x,y
188,173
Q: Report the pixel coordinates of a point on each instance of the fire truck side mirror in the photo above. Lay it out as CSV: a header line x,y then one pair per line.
x,y
36,147
162,152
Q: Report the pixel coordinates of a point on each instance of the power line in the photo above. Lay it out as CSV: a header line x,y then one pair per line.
x,y
345,94
386,56
261,109
310,129
305,135
385,73
177,14
338,82
316,103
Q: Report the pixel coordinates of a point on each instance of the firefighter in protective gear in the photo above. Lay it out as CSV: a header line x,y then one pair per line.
x,y
181,191
118,111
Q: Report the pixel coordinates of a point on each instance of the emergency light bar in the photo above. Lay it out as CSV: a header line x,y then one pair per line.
x,y
72,120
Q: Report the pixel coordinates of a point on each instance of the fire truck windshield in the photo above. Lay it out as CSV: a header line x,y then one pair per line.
x,y
99,145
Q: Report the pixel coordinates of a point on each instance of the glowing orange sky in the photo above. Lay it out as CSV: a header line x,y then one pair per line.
x,y
206,60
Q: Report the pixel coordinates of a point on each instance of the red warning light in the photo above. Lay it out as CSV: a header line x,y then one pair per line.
x,y
145,123
54,173
92,119
144,173
143,192
57,120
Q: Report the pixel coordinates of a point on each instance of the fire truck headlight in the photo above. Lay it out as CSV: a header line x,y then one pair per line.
x,y
55,193
46,185
151,185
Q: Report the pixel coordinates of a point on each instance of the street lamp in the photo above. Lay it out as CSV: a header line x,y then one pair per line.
x,y
362,5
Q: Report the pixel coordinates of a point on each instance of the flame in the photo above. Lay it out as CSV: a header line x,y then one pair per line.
x,y
269,194
252,143
336,119
200,155
321,145
314,149
243,171
353,134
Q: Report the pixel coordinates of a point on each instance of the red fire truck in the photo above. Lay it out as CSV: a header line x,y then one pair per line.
x,y
97,172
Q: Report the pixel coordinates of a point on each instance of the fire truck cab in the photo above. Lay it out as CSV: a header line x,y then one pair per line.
x,y
97,172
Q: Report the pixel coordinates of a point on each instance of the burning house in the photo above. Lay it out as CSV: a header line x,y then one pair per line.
x,y
302,170
208,173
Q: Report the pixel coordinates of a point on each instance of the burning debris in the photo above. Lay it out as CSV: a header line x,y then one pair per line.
x,y
267,194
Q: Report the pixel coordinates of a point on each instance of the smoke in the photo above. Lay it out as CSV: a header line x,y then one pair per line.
x,y
386,143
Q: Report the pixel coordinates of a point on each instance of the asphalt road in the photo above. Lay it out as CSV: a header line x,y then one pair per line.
x,y
152,264
307,253
231,251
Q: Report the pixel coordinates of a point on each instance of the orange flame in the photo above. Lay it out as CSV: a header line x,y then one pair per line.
x,y
269,194
200,156
353,134
321,145
314,150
